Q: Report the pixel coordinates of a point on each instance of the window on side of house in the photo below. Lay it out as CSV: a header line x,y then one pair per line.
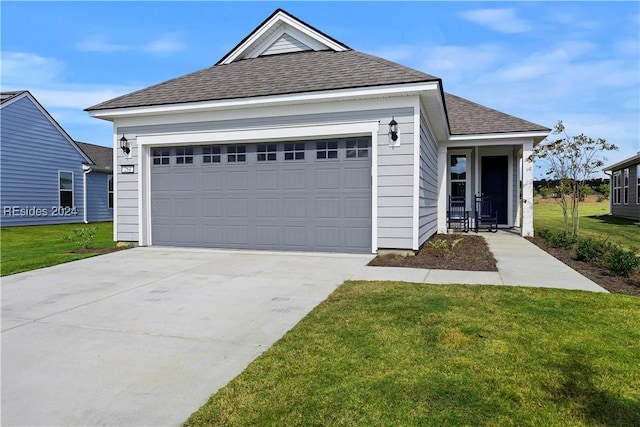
x,y
458,175
161,156
615,188
110,191
184,156
294,151
65,189
267,152
638,189
236,154
211,154
625,186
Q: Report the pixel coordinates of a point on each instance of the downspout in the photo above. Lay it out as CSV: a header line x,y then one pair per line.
x,y
87,170
610,175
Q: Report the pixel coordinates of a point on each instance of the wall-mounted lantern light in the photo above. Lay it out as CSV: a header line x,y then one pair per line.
x,y
393,132
125,146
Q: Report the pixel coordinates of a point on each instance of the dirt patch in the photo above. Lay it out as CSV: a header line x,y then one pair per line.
x,y
471,253
601,276
99,251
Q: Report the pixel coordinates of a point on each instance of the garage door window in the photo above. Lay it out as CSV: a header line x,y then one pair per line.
x,y
357,148
267,152
294,151
184,156
211,155
161,156
327,150
236,154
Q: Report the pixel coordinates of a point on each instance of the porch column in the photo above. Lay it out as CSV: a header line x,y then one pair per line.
x,y
527,190
442,189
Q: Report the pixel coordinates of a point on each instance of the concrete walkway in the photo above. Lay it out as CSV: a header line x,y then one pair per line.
x,y
520,263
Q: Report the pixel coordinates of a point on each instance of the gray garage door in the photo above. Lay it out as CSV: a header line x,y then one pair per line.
x,y
300,196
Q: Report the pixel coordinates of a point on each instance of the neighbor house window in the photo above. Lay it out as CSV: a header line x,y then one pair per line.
x,y
294,151
625,191
110,191
357,148
160,156
615,188
65,180
236,153
184,156
210,154
267,152
458,175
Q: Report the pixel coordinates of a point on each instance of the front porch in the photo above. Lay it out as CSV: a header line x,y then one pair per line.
x,y
499,172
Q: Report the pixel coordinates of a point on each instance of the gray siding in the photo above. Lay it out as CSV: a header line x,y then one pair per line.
x,y
32,152
428,182
98,197
395,185
395,168
632,209
286,44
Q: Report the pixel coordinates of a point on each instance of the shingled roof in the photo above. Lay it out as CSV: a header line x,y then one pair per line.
x,y
101,156
466,117
298,72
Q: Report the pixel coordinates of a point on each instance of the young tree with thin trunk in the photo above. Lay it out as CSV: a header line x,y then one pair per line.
x,y
571,160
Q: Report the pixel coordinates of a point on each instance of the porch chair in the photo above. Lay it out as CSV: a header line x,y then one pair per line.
x,y
485,215
457,215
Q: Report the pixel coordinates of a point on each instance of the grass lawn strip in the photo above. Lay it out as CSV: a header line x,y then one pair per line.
x,y
38,246
387,353
594,222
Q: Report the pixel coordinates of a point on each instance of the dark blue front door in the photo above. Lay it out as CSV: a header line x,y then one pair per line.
x,y
495,181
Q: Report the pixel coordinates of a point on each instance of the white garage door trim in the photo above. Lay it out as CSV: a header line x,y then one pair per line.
x,y
283,133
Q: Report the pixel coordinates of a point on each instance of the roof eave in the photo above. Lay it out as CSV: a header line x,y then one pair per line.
x,y
537,135
402,89
627,162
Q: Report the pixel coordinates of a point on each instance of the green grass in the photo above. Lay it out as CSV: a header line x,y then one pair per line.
x,y
622,231
387,353
29,248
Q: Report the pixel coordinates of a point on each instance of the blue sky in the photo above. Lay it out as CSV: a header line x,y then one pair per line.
x,y
542,61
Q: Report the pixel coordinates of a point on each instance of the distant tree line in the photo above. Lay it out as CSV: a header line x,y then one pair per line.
x,y
598,186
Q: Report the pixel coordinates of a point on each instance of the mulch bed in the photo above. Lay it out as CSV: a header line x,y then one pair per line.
x,y
601,276
469,254
100,251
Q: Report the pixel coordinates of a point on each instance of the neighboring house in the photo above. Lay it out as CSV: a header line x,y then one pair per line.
x,y
44,174
294,141
625,188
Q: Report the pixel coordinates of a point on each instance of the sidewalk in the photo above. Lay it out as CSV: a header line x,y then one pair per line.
x,y
520,263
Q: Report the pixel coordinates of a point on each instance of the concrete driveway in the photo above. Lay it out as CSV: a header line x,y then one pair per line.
x,y
142,337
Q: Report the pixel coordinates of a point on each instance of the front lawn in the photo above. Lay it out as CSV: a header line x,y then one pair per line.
x,y
33,247
594,222
390,353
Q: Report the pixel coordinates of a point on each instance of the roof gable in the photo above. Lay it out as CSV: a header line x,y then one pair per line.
x,y
8,98
281,33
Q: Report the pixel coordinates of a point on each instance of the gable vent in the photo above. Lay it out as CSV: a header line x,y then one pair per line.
x,y
285,44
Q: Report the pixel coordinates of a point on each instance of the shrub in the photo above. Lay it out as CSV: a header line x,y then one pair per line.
x,y
443,245
83,236
589,249
621,262
560,239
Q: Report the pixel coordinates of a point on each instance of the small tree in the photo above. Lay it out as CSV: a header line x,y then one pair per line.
x,y
571,160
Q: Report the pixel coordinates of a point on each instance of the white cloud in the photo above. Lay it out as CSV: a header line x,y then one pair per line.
x,y
503,20
167,43
99,44
28,67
